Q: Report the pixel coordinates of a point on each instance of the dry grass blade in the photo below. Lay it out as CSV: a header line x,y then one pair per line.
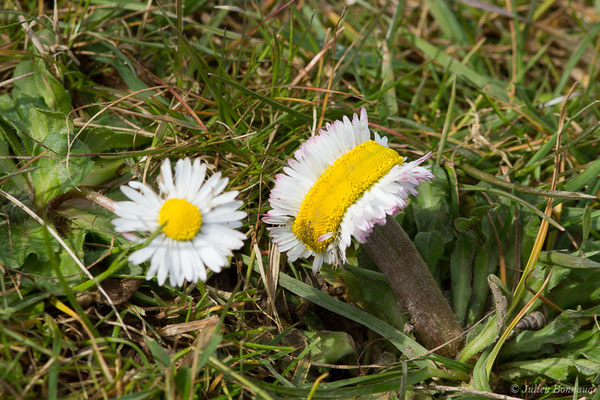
x,y
178,329
62,307
269,281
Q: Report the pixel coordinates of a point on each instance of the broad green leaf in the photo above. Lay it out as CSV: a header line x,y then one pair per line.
x,y
41,84
95,220
405,344
554,368
68,267
584,343
581,288
22,239
561,330
103,139
332,346
59,172
373,296
431,247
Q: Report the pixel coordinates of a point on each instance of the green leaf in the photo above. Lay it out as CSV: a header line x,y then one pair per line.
x,y
567,260
146,394
586,224
406,345
161,356
561,330
387,75
484,264
490,331
589,173
96,220
554,368
332,346
431,247
103,139
461,266
445,17
480,380
21,240
492,86
15,304
41,84
17,183
67,265
373,296
58,172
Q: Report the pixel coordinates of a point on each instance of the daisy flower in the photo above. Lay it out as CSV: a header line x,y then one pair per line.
x,y
196,217
338,185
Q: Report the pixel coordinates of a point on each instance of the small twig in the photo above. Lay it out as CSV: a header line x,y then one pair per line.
x,y
545,300
16,78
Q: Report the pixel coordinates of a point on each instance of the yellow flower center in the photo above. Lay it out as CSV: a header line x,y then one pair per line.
x,y
338,187
183,219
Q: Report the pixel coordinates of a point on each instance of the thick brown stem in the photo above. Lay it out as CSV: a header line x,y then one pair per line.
x,y
410,279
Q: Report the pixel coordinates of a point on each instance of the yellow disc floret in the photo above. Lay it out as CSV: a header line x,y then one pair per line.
x,y
183,219
338,187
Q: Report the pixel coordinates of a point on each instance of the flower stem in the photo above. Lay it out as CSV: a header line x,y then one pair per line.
x,y
411,280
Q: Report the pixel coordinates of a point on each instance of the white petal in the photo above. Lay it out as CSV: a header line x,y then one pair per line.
x,y
310,160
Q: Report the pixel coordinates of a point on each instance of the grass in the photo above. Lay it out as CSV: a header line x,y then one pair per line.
x,y
96,93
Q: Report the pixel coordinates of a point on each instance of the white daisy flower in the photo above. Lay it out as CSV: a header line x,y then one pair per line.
x,y
199,221
339,184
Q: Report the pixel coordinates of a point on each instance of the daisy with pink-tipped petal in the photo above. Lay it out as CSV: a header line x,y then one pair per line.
x,y
338,185
196,218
